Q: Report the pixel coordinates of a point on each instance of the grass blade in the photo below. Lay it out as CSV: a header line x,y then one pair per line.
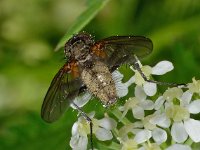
x,y
82,21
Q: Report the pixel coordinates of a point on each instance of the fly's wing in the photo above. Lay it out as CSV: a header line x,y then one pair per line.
x,y
63,89
118,50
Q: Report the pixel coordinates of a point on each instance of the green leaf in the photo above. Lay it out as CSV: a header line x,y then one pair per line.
x,y
82,21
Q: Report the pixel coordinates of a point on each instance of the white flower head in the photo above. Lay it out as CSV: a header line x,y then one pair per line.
x,y
159,69
153,126
101,128
169,116
179,111
137,104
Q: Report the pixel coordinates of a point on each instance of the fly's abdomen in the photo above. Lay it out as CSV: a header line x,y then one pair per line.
x,y
99,82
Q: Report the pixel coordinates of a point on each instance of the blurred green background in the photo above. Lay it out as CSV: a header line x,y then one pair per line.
x,y
31,29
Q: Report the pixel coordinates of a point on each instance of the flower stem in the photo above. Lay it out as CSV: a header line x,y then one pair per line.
x,y
189,142
118,115
112,146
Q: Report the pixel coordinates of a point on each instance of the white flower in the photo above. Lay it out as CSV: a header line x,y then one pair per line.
x,y
122,88
182,119
128,144
159,69
148,129
144,130
78,141
194,87
160,119
130,128
158,134
81,128
137,104
172,93
142,136
81,100
140,140
178,107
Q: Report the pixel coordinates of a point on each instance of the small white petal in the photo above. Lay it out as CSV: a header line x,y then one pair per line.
x,y
150,88
147,104
192,127
121,88
186,98
162,68
194,107
161,119
139,93
178,132
138,112
159,103
91,114
179,147
107,123
159,135
79,142
142,136
117,76
130,81
81,100
75,128
103,134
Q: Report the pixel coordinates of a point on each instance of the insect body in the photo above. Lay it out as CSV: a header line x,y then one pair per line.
x,y
92,69
89,66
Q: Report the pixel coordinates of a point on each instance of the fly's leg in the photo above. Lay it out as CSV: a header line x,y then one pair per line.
x,y
88,120
137,67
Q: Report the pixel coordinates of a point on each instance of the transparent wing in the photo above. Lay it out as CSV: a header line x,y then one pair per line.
x,y
121,49
63,89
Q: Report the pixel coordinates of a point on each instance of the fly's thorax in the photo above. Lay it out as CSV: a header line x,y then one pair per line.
x,y
99,82
78,47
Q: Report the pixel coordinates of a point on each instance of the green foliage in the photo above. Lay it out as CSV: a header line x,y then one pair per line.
x,y
82,20
30,31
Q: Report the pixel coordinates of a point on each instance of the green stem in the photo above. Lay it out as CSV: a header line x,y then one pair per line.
x,y
189,142
118,115
112,146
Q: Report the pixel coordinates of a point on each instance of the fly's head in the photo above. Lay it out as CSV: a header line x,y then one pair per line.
x,y
78,47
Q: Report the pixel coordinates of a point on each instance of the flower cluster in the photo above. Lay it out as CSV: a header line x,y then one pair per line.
x,y
101,128
149,120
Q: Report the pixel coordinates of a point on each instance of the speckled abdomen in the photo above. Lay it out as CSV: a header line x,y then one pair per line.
x,y
99,82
